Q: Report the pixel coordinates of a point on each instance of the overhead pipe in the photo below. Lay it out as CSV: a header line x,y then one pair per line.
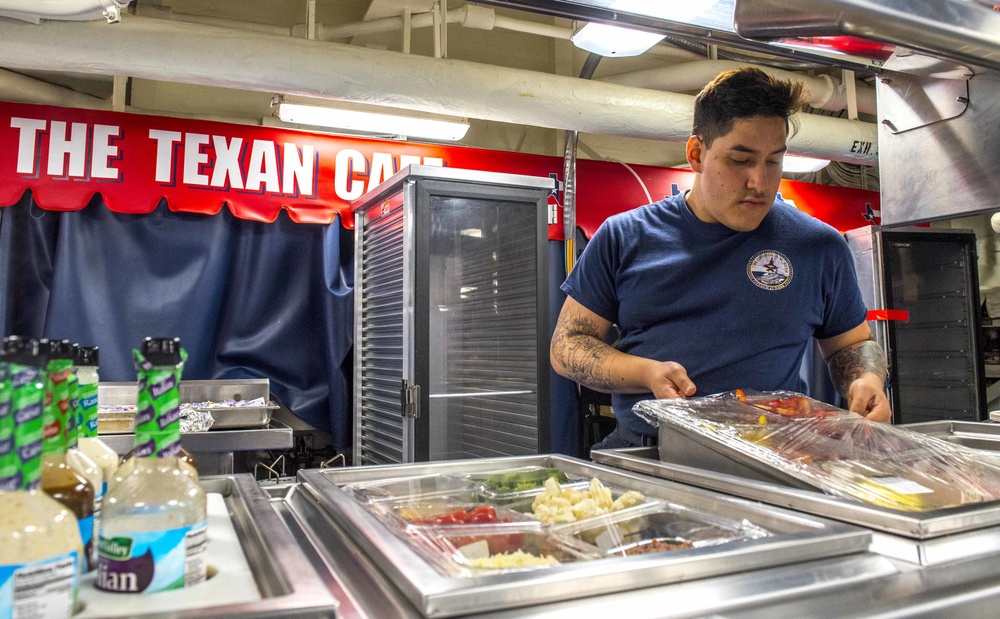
x,y
165,13
23,89
176,52
825,92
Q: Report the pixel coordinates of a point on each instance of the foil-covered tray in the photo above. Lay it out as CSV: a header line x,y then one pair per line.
x,y
116,403
437,591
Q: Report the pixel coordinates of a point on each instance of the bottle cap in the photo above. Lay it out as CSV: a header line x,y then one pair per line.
x,y
57,349
86,356
162,350
25,351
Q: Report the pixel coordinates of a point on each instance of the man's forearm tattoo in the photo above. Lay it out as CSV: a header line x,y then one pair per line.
x,y
853,361
584,356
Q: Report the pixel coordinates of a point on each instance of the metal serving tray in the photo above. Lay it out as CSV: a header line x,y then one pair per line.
x,y
226,418
925,538
692,450
974,434
796,538
287,582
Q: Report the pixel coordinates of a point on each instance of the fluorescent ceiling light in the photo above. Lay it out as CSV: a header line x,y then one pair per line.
x,y
371,119
799,165
608,40
613,40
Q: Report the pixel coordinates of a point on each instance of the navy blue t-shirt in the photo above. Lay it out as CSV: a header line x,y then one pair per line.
x,y
736,309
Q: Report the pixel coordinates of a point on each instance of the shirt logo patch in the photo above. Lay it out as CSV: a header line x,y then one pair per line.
x,y
770,270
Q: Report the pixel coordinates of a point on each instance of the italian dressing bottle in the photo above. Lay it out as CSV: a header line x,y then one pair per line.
x,y
154,526
59,479
86,416
41,552
8,459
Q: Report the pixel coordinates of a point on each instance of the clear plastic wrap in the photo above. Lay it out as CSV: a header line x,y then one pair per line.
x,y
517,484
471,551
835,450
424,486
657,527
443,511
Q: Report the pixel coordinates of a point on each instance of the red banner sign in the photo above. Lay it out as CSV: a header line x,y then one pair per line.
x,y
65,156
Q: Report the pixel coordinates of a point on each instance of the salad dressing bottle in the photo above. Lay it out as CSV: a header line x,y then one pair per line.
x,y
59,479
40,541
8,460
85,402
154,528
187,461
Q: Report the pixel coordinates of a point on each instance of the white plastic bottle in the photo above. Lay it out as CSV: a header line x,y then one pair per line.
x,y
89,443
40,540
154,526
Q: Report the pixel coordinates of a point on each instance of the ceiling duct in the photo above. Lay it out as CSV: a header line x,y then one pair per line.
x,y
961,31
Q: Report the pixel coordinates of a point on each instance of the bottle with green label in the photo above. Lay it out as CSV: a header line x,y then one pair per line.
x,y
8,459
85,401
60,478
41,552
154,527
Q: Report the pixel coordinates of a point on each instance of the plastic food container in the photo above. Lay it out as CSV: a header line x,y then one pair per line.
x,y
442,512
575,503
471,551
516,485
657,526
421,487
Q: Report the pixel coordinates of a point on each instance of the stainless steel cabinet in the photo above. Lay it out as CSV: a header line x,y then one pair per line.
x,y
451,322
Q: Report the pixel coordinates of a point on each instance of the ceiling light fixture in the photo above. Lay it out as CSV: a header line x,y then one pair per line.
x,y
355,117
796,164
614,41
618,41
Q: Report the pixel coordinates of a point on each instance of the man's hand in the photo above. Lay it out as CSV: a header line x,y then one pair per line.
x,y
858,369
668,379
866,396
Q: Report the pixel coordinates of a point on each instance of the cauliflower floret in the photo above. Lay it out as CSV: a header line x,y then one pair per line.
x,y
628,499
556,505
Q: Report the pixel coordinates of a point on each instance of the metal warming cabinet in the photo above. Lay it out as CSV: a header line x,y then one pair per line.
x,y
451,328
935,356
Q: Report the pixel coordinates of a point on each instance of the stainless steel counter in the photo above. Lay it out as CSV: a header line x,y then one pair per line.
x,y
365,592
858,584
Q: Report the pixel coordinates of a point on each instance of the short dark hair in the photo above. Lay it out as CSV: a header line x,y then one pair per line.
x,y
746,92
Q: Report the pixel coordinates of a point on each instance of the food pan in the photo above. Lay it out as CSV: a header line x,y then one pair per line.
x,y
494,550
437,592
412,488
926,538
659,526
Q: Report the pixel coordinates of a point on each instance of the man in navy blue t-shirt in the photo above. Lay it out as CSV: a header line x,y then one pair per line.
x,y
722,287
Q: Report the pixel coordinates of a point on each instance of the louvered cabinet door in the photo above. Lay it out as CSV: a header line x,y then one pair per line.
x,y
381,431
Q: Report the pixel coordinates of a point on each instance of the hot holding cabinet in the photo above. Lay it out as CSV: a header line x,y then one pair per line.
x,y
451,327
928,281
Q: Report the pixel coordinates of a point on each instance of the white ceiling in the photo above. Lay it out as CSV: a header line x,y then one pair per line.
x,y
549,53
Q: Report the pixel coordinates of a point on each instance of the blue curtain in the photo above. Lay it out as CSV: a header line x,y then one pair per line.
x,y
247,299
